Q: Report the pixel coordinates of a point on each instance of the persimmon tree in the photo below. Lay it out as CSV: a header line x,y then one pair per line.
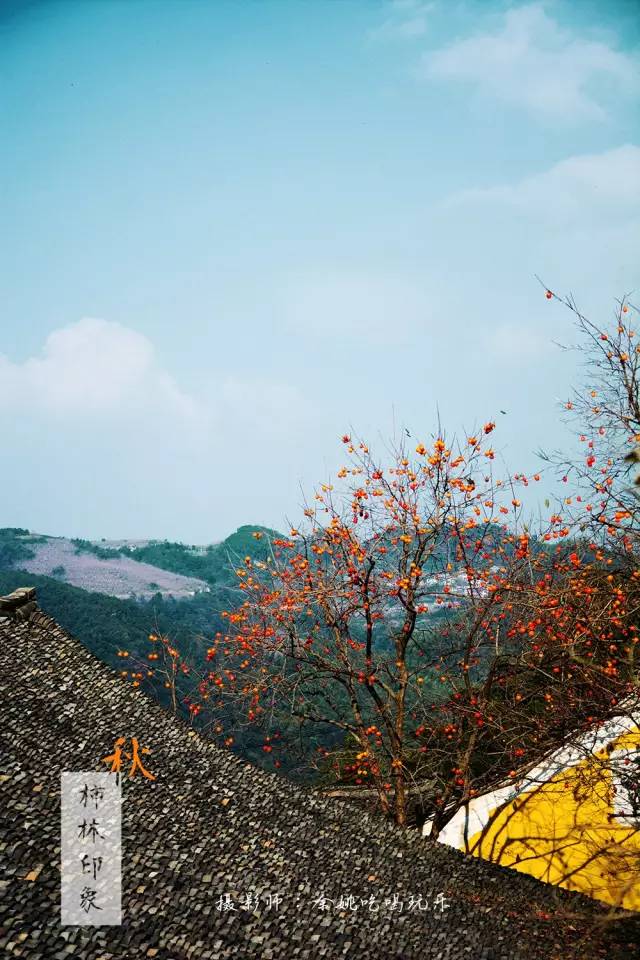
x,y
341,625
604,415
570,619
172,675
564,619
423,637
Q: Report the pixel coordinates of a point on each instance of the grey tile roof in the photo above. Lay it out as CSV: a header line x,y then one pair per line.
x,y
212,825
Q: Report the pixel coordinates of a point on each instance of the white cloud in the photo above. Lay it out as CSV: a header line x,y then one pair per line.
x,y
534,62
96,430
587,190
576,225
107,377
407,20
94,368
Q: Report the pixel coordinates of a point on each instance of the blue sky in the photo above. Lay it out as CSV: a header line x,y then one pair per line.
x,y
232,230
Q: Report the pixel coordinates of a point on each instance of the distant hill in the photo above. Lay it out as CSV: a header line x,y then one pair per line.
x,y
214,563
126,569
112,595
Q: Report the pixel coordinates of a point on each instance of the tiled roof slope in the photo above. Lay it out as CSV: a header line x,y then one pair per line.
x,y
212,824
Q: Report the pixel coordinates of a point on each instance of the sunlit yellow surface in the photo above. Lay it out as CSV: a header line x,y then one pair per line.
x,y
565,831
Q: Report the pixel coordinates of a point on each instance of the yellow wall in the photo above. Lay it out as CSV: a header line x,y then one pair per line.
x,y
564,831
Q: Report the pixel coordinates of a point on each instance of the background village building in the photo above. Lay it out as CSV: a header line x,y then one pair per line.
x,y
573,820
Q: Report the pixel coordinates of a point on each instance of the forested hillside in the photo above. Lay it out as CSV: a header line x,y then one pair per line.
x,y
107,624
213,563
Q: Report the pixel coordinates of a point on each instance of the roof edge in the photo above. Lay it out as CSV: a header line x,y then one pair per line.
x,y
19,605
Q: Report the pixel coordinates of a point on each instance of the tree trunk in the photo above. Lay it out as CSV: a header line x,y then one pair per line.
x,y
400,793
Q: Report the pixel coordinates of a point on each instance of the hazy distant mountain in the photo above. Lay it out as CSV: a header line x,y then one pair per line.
x,y
126,568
